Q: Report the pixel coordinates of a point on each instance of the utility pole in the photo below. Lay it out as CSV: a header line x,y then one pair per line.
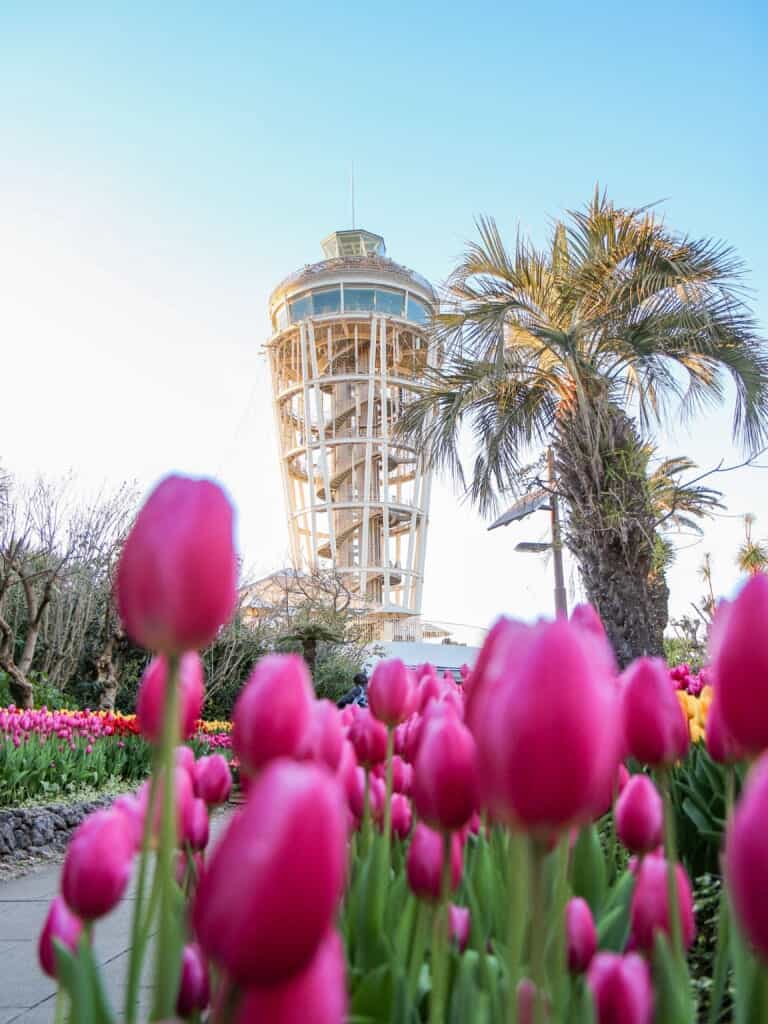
x,y
561,598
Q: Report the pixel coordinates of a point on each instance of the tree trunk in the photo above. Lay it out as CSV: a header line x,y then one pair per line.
x,y
106,676
310,654
658,590
20,687
601,468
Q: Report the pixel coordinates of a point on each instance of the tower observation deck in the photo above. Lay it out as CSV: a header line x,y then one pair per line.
x,y
348,352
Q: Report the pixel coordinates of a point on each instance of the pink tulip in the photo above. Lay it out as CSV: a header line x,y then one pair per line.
x,y
614,786
369,738
402,774
428,690
548,750
640,815
273,712
581,934
446,787
185,758
197,826
132,809
424,864
505,642
62,925
324,736
177,576
194,989
97,865
459,921
264,903
346,773
621,988
151,700
650,905
746,857
184,801
586,618
655,726
739,651
721,746
402,816
320,985
391,692
212,779
526,1002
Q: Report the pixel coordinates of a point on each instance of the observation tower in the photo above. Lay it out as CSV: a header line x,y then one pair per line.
x,y
348,352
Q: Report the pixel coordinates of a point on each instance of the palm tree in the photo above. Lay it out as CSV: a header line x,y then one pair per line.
x,y
583,346
752,556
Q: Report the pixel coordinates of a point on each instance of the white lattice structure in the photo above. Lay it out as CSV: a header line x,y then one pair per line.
x,y
348,352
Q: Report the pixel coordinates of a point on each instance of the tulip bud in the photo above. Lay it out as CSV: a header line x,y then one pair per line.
x,y
459,922
177,574
62,925
640,815
621,988
649,912
97,865
391,692
526,1003
505,642
446,788
424,865
151,700
321,986
197,827
194,989
746,856
212,779
324,736
369,738
568,732
721,746
402,816
272,714
739,651
655,725
346,773
263,905
184,801
581,934
132,809
185,758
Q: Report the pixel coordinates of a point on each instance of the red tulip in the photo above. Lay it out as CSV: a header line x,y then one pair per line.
x,y
402,816
62,925
446,788
460,923
151,700
581,934
650,905
272,714
369,738
640,815
324,736
746,856
655,726
548,750
97,865
739,649
212,779
621,988
317,993
177,576
264,903
194,989
391,692
424,864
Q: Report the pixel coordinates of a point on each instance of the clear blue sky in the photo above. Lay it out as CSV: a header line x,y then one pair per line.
x,y
162,167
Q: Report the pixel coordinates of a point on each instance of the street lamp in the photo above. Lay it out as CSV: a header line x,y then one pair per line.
x,y
542,499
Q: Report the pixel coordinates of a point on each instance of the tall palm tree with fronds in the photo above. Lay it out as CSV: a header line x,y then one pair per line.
x,y
752,556
585,346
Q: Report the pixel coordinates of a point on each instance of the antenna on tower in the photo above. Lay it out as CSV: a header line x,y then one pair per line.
x,y
352,190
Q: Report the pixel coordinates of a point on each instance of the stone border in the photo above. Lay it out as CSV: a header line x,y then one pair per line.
x,y
29,835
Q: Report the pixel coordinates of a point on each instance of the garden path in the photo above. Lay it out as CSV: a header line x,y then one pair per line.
x,y
27,996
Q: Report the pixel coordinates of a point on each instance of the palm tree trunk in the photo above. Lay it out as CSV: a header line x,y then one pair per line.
x,y
601,467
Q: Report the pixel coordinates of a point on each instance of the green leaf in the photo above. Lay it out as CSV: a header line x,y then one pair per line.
x,y
613,924
588,878
373,996
674,1004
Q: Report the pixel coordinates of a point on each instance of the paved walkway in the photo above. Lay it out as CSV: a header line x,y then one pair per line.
x,y
26,995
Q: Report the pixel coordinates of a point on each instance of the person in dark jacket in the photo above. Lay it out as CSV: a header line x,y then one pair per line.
x,y
358,694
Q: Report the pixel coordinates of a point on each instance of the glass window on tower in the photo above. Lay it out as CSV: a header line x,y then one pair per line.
x,y
356,299
300,308
326,301
417,311
389,303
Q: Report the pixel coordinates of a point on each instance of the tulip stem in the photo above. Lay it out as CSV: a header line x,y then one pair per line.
x,y
440,933
60,1012
538,927
168,964
137,946
417,949
670,852
518,879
